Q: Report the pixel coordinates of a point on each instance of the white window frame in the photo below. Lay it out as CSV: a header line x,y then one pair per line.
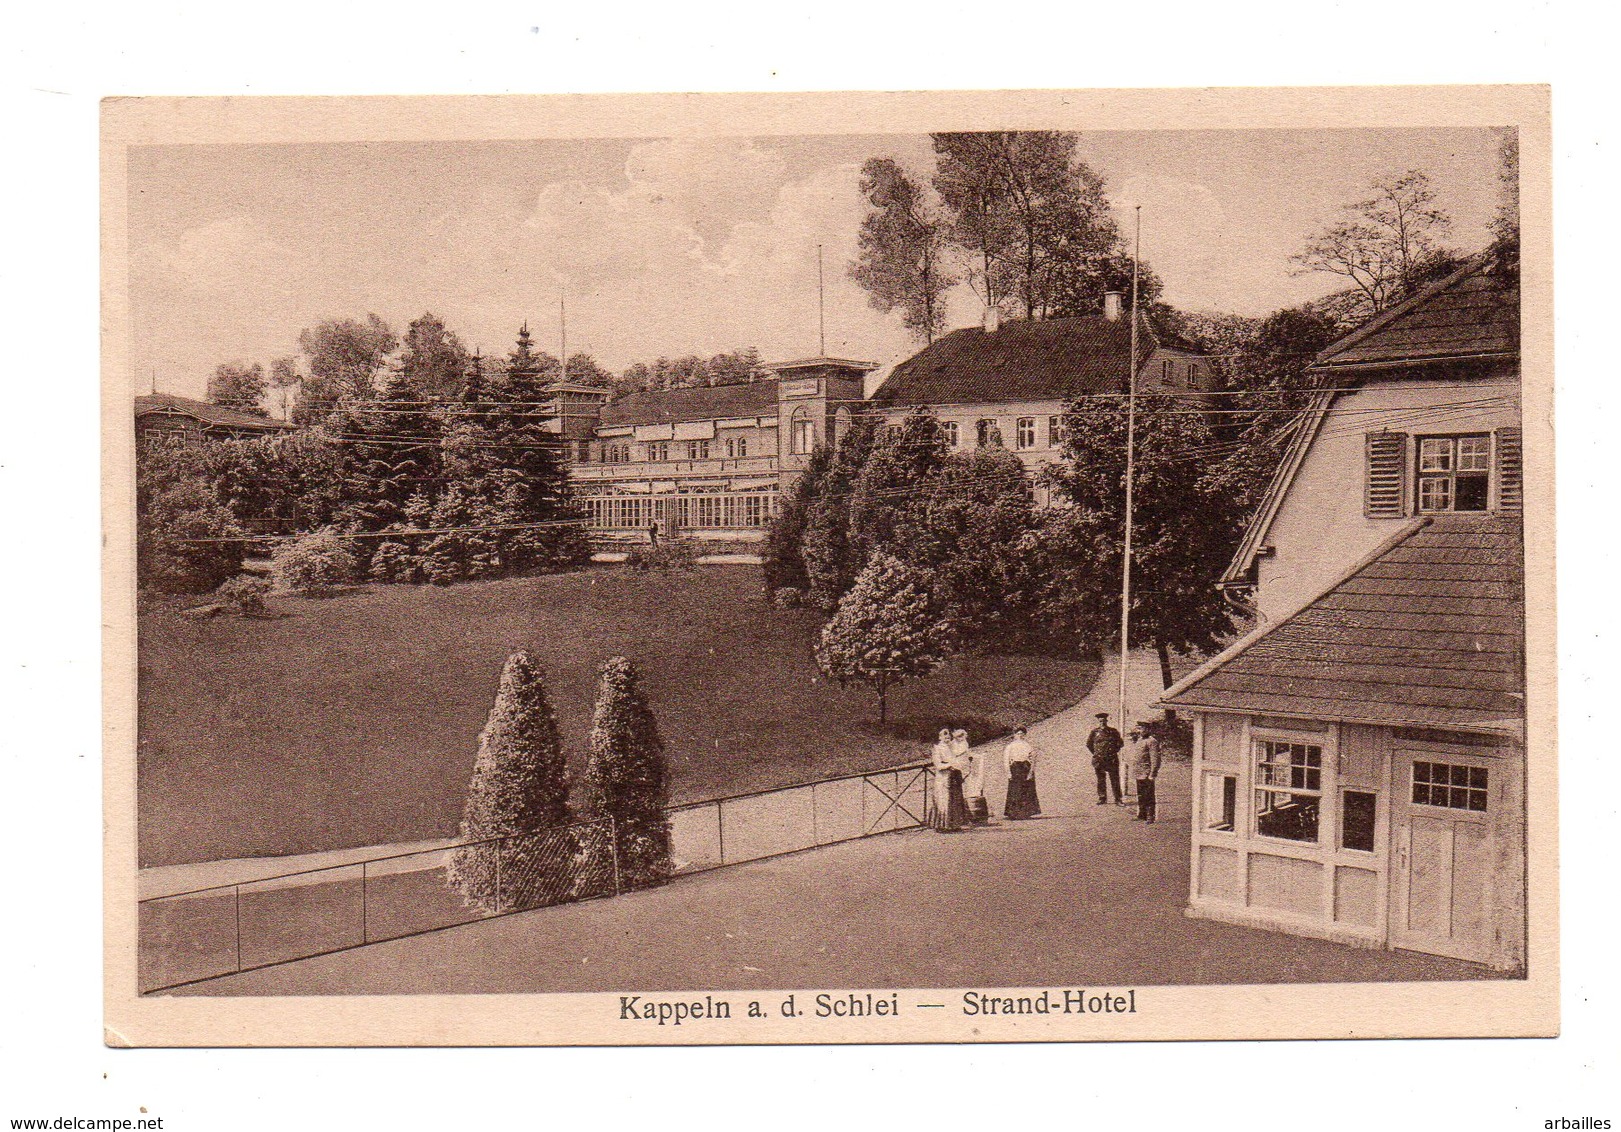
x,y
1439,473
1228,774
1259,787
1024,433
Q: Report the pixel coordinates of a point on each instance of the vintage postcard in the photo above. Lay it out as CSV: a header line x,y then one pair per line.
x,y
727,569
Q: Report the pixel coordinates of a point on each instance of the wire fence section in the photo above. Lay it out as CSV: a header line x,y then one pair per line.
x,y
767,823
203,934
206,933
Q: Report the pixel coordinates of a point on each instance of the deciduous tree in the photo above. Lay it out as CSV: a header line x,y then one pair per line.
x,y
1185,529
1033,219
885,630
1385,246
344,356
433,363
904,247
239,385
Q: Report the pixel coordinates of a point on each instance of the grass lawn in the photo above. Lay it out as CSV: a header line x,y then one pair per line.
x,y
353,720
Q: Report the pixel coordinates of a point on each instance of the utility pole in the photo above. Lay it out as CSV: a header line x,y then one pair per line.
x,y
821,307
1131,470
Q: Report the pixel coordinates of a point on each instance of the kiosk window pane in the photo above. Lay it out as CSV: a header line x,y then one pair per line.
x,y
1358,813
1220,802
1451,785
1288,789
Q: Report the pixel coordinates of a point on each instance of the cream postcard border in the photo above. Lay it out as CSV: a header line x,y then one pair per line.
x,y
1528,1007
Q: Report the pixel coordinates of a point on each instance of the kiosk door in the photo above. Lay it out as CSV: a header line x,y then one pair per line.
x,y
1444,808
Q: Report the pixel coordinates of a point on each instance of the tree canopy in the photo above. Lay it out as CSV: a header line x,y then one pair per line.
x,y
885,630
238,385
1185,529
904,245
345,356
1385,245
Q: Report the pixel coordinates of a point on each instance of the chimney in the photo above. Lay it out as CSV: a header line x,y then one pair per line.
x,y
993,320
1112,304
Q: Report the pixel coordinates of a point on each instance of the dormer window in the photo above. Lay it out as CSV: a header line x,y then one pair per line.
x,y
1454,472
1431,475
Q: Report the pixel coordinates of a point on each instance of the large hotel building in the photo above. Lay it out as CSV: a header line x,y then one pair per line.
x,y
713,461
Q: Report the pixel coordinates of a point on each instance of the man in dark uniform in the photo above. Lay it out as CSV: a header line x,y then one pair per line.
x,y
1105,744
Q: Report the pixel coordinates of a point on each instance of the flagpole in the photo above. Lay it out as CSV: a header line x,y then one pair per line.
x,y
821,307
1131,471
562,330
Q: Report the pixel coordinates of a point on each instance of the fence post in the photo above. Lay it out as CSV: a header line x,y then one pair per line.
x,y
816,837
236,899
720,829
613,851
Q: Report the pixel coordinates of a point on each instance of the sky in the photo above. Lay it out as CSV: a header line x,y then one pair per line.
x,y
693,245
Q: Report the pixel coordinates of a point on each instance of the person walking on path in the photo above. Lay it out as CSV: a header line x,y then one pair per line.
x,y
1022,802
949,810
1145,760
973,778
1105,744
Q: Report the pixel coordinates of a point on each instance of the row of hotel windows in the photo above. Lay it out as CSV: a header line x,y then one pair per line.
x,y
658,451
1289,794
988,433
740,510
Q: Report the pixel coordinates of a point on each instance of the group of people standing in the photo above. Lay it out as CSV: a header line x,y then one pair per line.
x,y
959,781
959,774
1105,744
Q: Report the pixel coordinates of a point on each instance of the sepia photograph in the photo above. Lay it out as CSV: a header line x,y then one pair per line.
x,y
740,569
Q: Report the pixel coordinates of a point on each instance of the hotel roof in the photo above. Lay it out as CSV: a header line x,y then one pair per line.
x,y
1045,360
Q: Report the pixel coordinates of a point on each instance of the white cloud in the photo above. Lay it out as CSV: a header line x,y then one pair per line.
x,y
706,246
227,257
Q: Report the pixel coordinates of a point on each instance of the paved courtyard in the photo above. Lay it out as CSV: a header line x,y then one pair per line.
x,y
1083,896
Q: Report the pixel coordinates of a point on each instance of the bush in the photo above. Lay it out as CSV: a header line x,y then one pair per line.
x,y
244,595
168,555
395,562
316,563
788,597
669,555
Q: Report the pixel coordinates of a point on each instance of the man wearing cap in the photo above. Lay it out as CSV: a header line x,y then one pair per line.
x,y
1145,761
1105,744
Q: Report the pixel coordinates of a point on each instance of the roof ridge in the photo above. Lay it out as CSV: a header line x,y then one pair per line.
x,y
1385,317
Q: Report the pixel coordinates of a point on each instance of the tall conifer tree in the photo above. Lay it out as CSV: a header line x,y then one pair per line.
x,y
627,778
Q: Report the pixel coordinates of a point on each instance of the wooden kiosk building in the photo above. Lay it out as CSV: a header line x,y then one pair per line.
x,y
1359,759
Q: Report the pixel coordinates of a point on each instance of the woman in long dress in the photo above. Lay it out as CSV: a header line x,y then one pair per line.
x,y
973,779
1022,802
947,813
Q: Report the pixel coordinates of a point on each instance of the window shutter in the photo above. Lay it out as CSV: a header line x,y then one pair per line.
x,y
1510,471
1386,496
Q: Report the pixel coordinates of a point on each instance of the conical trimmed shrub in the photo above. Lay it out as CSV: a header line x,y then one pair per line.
x,y
519,787
627,778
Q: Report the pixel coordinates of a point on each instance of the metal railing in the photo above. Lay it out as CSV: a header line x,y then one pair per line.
x,y
786,819
205,933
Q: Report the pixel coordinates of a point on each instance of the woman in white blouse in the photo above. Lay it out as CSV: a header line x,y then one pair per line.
x,y
1022,802
948,812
